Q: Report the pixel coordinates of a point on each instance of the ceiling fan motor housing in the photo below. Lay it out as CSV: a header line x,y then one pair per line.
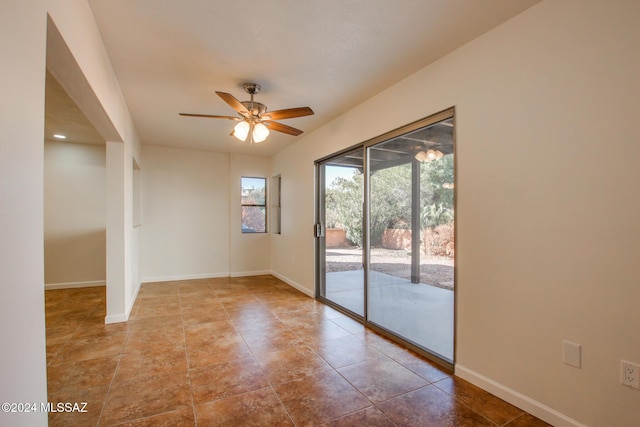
x,y
256,108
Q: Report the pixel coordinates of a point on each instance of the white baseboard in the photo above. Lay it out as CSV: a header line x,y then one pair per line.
x,y
288,281
294,284
71,285
249,273
117,318
183,277
132,301
523,402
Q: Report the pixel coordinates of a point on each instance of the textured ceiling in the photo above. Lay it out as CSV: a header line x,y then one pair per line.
x,y
62,116
331,55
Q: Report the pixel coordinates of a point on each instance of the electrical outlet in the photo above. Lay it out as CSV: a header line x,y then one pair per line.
x,y
630,374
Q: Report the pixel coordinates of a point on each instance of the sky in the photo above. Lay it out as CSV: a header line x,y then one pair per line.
x,y
333,172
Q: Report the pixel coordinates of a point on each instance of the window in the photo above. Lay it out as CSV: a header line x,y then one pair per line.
x,y
254,205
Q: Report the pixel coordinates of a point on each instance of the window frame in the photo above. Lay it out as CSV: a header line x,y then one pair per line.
x,y
254,205
276,204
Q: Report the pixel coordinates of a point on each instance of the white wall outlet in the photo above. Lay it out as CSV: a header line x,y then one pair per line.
x,y
630,374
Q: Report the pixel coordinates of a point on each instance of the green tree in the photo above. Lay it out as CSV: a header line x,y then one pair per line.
x,y
436,207
343,204
390,205
390,200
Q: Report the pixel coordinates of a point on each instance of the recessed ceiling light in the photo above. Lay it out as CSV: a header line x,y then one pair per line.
x,y
59,136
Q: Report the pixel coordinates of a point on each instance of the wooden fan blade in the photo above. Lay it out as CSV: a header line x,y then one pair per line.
x,y
210,116
234,103
288,113
282,128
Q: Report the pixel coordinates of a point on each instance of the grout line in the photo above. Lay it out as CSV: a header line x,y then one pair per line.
x,y
186,355
462,402
288,308
115,373
255,357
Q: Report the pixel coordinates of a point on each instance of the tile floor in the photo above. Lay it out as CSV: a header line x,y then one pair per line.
x,y
246,351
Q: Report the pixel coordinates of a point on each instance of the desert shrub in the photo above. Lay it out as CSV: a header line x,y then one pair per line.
x,y
439,241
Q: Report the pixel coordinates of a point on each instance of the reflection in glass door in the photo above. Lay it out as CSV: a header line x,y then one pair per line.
x,y
340,226
411,238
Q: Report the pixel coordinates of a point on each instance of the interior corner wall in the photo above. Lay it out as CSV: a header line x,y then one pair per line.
x,y
23,355
547,202
74,214
117,310
249,252
77,58
185,214
295,166
136,195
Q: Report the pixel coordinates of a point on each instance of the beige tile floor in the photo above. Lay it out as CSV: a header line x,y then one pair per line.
x,y
245,352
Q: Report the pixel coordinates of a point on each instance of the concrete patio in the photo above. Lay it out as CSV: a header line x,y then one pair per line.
x,y
419,313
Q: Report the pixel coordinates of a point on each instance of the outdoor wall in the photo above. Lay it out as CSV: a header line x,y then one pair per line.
x,y
185,214
74,214
547,203
336,238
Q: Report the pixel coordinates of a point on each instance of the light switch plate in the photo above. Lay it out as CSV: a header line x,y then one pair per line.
x,y
572,354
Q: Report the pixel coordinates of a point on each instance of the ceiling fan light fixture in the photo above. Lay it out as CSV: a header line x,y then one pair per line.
x,y
421,156
260,132
241,130
252,114
429,155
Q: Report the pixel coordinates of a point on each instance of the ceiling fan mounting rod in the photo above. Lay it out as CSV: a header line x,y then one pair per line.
x,y
252,89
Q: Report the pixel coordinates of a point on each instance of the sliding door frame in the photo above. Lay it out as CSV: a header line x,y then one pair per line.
x,y
320,229
320,268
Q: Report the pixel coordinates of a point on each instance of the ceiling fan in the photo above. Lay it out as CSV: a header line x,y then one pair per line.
x,y
255,120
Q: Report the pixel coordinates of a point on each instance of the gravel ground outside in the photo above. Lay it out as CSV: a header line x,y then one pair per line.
x,y
434,271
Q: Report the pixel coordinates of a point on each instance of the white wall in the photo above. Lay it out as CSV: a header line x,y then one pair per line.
x,y
78,60
249,252
185,214
74,214
292,251
191,215
548,206
22,359
23,44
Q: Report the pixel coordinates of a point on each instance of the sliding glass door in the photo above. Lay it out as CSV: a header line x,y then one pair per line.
x,y
392,203
411,244
339,230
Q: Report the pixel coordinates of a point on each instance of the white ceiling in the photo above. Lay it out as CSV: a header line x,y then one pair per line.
x,y
62,116
170,56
